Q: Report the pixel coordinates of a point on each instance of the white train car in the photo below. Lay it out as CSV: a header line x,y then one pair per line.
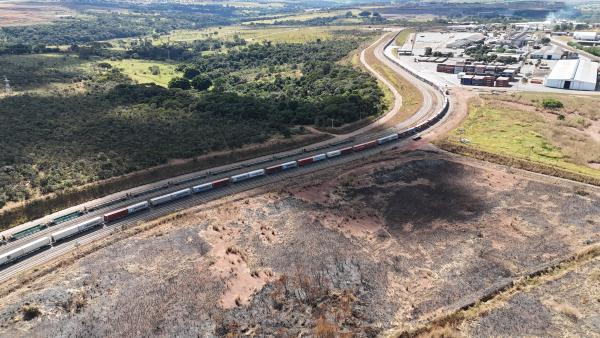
x,y
170,197
202,187
248,175
24,250
333,153
388,138
75,229
138,207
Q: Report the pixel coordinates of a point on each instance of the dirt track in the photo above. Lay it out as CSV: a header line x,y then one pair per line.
x,y
388,244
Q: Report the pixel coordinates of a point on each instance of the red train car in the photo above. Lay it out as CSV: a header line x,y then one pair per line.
x,y
220,183
274,169
115,215
345,151
366,145
305,161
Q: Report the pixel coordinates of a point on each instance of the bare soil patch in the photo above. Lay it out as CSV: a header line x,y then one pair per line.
x,y
356,250
19,13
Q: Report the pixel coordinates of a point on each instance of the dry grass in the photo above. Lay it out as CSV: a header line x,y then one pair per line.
x,y
325,329
499,296
17,13
564,308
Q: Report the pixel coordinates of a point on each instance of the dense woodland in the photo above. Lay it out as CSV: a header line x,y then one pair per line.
x,y
99,26
112,126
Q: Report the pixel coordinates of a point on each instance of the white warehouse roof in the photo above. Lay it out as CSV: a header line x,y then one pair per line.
x,y
579,74
564,70
587,71
590,36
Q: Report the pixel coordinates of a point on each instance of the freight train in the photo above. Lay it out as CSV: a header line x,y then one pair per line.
x,y
112,216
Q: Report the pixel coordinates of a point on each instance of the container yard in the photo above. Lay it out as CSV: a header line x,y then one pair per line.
x,y
514,56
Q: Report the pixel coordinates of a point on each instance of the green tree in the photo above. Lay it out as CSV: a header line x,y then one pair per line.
x,y
190,73
201,83
181,83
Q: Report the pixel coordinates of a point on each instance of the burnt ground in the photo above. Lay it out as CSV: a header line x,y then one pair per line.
x,y
360,250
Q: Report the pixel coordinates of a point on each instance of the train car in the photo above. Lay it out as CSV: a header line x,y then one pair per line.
x,y
138,207
366,145
347,150
115,215
65,218
170,197
220,183
333,153
312,159
248,175
281,167
75,229
202,187
388,138
121,213
27,232
24,250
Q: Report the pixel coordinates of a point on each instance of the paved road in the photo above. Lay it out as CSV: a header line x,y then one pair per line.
x,y
432,105
581,52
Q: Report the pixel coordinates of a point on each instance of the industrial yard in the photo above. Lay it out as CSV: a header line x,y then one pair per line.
x,y
389,245
516,57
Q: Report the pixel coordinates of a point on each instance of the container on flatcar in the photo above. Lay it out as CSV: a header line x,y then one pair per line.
x,y
366,145
388,138
75,229
170,197
220,183
202,187
115,215
24,250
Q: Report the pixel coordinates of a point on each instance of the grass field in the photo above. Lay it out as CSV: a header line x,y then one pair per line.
x,y
518,126
41,71
273,34
306,16
250,34
139,71
403,36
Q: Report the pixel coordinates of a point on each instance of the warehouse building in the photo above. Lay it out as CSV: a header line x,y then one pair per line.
x,y
548,53
580,74
585,36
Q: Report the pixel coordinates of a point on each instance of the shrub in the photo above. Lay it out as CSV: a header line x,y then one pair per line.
x,y
30,311
552,104
178,82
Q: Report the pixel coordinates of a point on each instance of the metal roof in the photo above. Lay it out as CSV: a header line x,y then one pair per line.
x,y
564,70
587,71
582,70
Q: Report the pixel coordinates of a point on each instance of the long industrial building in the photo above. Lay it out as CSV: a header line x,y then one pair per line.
x,y
580,74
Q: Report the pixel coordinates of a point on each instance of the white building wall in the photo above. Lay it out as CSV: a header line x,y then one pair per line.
x,y
578,85
552,83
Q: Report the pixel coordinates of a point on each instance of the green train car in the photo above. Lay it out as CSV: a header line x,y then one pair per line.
x,y
66,218
27,232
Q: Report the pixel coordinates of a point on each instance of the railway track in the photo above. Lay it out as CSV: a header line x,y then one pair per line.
x,y
434,104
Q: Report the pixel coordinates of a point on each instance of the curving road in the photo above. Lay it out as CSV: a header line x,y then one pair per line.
x,y
433,103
